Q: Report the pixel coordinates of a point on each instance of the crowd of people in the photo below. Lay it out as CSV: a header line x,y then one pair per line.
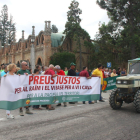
x,y
54,71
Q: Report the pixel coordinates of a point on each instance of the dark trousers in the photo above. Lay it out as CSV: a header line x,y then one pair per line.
x,y
35,106
101,93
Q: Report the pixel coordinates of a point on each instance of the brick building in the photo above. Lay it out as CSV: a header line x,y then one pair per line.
x,y
46,44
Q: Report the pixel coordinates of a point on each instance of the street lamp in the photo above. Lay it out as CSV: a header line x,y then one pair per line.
x,y
32,59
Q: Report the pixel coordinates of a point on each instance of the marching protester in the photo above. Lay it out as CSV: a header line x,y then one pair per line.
x,y
12,69
66,71
72,72
36,107
106,73
113,73
60,72
45,68
77,72
2,67
51,72
118,72
39,68
24,71
123,73
109,74
98,73
4,72
84,73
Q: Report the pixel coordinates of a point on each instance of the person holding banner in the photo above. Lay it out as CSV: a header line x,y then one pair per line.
x,y
24,71
60,72
72,72
51,72
84,73
98,73
12,69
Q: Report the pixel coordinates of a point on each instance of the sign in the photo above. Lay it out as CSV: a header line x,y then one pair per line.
x,y
109,83
108,64
19,91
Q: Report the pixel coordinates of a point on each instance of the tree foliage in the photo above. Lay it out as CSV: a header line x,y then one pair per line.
x,y
7,27
63,59
125,20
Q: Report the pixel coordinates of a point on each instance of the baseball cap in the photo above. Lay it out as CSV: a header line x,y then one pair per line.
x,y
72,64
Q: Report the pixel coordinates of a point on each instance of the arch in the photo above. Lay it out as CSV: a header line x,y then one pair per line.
x,y
42,39
18,64
39,61
37,41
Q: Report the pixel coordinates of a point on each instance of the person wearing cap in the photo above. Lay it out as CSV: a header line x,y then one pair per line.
x,y
60,72
84,73
72,72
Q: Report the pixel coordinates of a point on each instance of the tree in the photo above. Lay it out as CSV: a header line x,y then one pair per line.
x,y
125,15
73,30
7,27
63,59
54,29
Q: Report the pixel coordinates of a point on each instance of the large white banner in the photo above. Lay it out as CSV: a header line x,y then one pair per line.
x,y
18,91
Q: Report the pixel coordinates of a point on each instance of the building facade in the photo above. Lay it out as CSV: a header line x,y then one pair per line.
x,y
46,44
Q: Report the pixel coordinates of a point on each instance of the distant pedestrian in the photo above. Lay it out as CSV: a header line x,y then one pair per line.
x,y
2,67
84,73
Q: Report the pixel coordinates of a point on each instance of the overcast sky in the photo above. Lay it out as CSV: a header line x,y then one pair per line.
x,y
27,13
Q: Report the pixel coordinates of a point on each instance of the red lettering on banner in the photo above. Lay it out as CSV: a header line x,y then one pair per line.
x,y
65,79
73,80
70,79
30,79
47,88
53,87
47,77
18,90
78,80
41,80
52,80
36,79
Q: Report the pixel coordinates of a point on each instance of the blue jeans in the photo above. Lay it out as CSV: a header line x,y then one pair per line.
x,y
100,93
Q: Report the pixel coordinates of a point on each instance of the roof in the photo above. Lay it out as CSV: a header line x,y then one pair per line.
x,y
136,59
57,39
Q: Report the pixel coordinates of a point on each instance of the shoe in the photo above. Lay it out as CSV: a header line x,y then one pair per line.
x,y
10,116
71,102
59,105
52,108
21,112
101,100
91,103
28,111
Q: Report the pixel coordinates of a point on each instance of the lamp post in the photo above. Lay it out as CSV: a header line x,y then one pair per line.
x,y
32,59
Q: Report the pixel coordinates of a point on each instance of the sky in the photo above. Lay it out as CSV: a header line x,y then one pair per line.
x,y
28,13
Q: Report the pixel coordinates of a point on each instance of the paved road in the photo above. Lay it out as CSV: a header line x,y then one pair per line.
x,y
75,122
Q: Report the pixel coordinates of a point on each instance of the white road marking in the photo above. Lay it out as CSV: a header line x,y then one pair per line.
x,y
79,105
2,119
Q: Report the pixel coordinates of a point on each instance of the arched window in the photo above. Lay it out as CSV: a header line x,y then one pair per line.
x,y
26,45
39,62
42,39
37,41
